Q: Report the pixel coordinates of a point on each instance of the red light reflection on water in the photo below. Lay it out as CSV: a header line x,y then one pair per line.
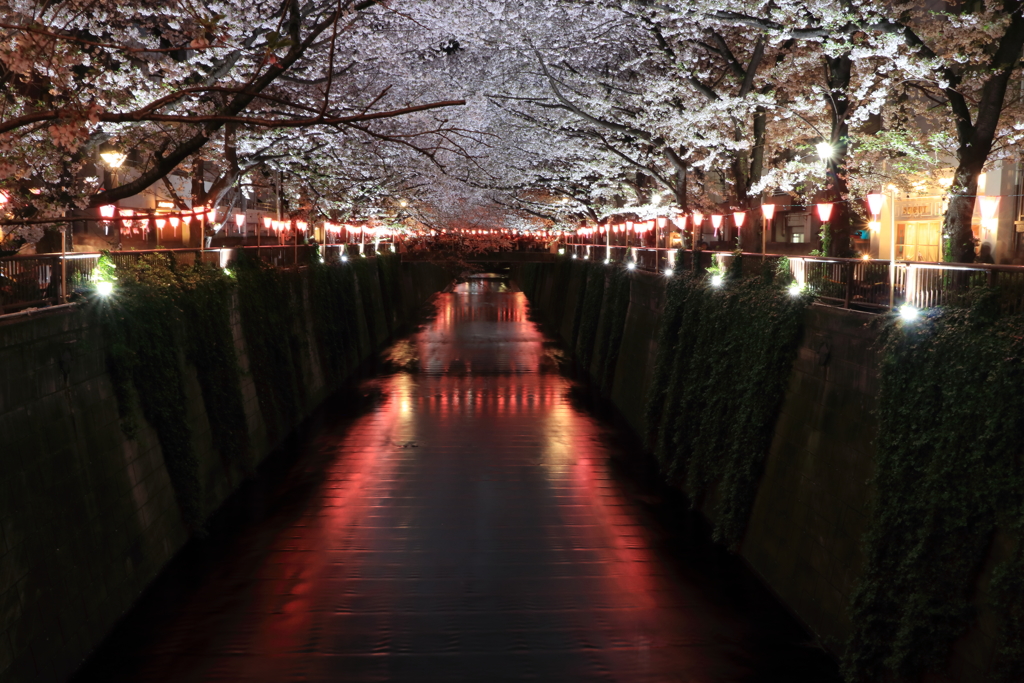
x,y
468,524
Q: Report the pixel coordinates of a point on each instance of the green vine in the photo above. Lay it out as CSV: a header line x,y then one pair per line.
x,y
577,272
590,314
949,474
724,359
335,318
613,326
270,319
160,314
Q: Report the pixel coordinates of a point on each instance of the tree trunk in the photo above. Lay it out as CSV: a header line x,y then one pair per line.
x,y
957,235
837,71
975,140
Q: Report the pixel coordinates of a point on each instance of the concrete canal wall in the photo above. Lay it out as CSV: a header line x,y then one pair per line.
x,y
88,516
805,533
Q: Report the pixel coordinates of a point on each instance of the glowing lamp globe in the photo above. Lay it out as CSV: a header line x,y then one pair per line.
x,y
698,218
824,212
239,219
738,217
875,202
266,222
106,211
768,211
716,220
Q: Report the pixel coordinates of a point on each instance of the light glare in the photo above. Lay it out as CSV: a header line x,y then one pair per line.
x,y
908,312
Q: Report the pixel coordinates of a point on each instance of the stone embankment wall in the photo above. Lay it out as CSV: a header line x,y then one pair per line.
x,y
805,533
89,517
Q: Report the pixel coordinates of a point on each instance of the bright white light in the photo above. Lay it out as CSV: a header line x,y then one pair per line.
x,y
631,265
574,255
794,289
607,261
716,280
104,288
669,272
824,150
562,251
908,312
586,256
344,257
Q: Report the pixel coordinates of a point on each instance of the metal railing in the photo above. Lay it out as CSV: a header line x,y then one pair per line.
x,y
861,284
41,280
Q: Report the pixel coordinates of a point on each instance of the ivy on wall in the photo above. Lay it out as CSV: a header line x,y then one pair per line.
x,y
724,359
271,320
950,436
335,318
613,326
163,313
590,315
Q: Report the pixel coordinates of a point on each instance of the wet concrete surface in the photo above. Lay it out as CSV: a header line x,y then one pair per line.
x,y
465,518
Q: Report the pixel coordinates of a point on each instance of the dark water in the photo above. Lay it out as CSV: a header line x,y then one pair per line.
x,y
462,518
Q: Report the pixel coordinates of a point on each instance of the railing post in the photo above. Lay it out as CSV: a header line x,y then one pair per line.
x,y
848,277
991,279
63,264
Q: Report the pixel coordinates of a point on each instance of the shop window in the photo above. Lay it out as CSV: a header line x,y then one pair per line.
x,y
918,240
793,228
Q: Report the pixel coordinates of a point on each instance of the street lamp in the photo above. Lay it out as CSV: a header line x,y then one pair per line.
x,y
824,150
113,159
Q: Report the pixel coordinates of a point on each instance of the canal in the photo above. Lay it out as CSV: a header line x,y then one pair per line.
x,y
461,515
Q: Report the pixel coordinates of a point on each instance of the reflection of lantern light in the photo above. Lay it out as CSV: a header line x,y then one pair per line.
x,y
126,212
824,212
738,217
106,211
875,202
768,211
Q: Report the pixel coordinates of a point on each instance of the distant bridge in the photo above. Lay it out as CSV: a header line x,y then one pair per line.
x,y
487,257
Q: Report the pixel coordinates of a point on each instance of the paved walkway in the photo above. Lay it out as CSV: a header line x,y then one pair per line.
x,y
468,528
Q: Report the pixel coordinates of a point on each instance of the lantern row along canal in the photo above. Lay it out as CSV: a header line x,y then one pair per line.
x,y
462,515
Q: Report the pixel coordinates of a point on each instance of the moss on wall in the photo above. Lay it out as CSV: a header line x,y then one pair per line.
x,y
950,435
590,314
161,313
724,358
